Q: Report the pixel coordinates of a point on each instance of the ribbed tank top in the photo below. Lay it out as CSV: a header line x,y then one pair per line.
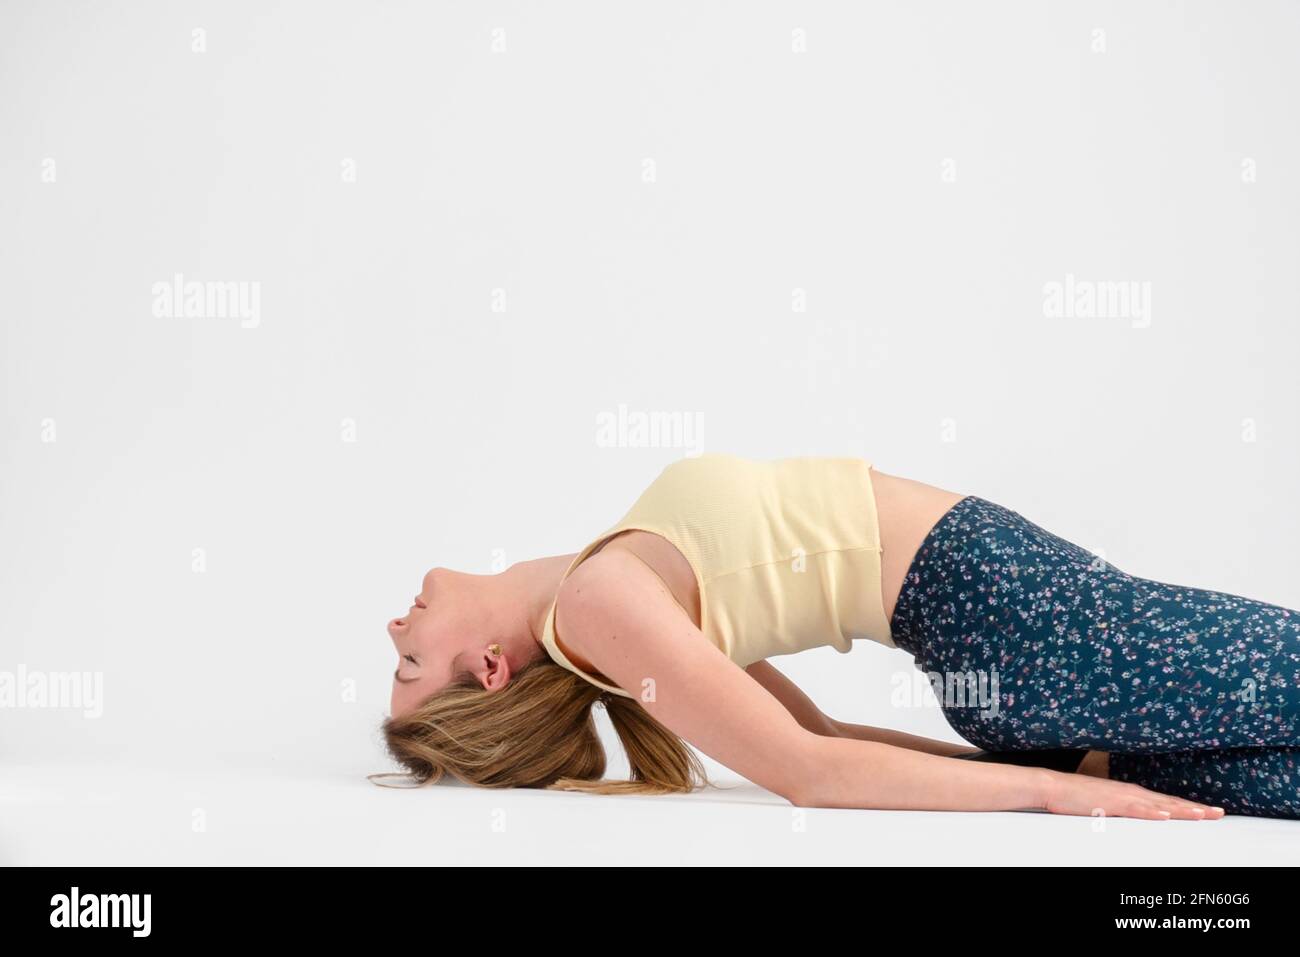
x,y
786,553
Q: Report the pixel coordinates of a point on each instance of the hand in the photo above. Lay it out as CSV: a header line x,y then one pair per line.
x,y
1083,795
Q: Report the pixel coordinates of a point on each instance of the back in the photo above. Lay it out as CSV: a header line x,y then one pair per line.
x,y
786,553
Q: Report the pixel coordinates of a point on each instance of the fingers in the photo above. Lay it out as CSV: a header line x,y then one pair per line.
x,y
1121,799
1156,806
1190,811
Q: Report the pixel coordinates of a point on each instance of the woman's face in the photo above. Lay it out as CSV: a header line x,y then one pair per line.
x,y
437,639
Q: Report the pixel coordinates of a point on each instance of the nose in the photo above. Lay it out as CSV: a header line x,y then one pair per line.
x,y
395,627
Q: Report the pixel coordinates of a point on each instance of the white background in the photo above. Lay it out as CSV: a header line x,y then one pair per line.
x,y
918,172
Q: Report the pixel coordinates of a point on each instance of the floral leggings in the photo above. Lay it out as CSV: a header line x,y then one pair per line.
x,y
1038,643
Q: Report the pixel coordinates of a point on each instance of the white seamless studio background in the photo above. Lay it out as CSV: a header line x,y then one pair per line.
x,y
449,257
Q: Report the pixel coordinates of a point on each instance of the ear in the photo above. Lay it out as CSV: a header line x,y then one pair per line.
x,y
496,670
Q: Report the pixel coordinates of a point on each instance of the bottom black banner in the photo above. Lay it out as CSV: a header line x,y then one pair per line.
x,y
236,905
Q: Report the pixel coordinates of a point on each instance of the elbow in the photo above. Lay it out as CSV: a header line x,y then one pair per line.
x,y
811,793
802,798
840,773
830,728
809,783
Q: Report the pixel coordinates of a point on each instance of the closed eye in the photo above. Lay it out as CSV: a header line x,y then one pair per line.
x,y
397,675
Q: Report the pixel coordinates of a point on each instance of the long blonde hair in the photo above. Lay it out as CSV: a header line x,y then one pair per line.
x,y
538,732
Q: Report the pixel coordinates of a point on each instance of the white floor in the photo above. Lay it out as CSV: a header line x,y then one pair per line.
x,y
135,816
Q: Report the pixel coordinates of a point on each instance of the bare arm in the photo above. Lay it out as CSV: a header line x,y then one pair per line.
x,y
901,739
809,716
618,615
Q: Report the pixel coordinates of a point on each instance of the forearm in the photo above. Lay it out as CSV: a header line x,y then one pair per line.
x,y
900,739
851,773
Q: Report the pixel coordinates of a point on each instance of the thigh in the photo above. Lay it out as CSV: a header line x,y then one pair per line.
x,y
1194,669
1077,653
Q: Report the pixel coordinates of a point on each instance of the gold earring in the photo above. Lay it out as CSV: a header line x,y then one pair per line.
x,y
495,649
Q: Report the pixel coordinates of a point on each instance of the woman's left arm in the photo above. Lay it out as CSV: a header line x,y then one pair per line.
x,y
805,711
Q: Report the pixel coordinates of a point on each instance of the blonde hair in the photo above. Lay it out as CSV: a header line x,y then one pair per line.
x,y
538,732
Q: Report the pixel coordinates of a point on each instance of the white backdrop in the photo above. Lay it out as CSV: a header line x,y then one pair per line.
x,y
472,231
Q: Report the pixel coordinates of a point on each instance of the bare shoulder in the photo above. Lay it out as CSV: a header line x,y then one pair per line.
x,y
621,618
663,558
612,585
609,579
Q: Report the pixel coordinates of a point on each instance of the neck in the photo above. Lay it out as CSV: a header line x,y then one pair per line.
x,y
532,585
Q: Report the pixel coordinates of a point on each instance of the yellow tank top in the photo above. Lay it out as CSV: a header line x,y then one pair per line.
x,y
786,553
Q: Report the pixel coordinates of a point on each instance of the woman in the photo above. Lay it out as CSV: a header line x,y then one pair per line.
x,y
1182,702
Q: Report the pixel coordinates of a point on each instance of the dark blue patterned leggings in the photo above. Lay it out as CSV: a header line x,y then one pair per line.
x,y
1034,642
